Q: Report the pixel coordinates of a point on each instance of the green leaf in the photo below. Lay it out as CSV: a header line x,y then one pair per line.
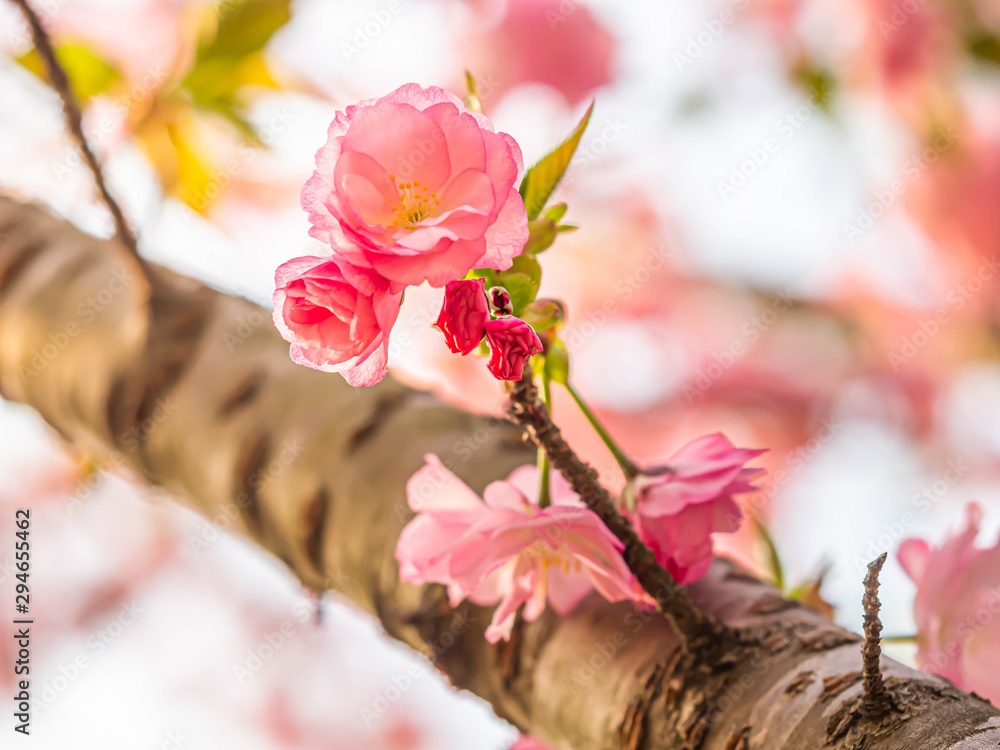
x,y
542,179
212,86
472,98
231,60
484,273
566,228
521,282
773,557
556,212
984,45
810,593
245,27
817,81
541,235
89,74
557,362
520,289
544,314
193,178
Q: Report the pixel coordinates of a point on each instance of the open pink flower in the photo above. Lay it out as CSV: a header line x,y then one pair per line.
x,y
957,607
513,342
678,511
507,550
418,188
464,314
337,318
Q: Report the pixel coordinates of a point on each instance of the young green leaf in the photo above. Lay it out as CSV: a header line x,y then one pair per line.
x,y
230,60
245,27
541,235
488,274
556,212
557,362
88,73
472,98
542,179
544,314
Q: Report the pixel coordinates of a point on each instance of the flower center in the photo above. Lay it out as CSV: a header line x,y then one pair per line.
x,y
560,558
415,203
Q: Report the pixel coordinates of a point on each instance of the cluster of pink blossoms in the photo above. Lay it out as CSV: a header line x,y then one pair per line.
x,y
414,188
504,549
409,188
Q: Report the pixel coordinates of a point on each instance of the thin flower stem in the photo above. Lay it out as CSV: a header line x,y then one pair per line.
x,y
627,466
701,631
544,465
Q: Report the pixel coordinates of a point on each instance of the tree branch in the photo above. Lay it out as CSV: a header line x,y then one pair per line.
x,y
74,120
701,631
194,390
877,700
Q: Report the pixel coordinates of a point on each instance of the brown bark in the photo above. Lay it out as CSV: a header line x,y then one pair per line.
x,y
160,371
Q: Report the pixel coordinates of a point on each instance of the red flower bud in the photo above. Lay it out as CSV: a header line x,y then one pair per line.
x,y
500,301
513,343
464,314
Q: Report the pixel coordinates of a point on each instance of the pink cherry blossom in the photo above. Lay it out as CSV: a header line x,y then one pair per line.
x,y
678,511
464,314
337,318
957,607
558,43
513,342
505,549
417,188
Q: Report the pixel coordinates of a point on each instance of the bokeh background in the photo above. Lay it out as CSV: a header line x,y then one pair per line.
x,y
789,232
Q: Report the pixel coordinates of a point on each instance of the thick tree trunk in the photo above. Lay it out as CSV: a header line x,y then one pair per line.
x,y
194,390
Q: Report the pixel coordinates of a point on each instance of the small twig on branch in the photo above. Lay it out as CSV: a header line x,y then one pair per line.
x,y
74,121
700,630
877,701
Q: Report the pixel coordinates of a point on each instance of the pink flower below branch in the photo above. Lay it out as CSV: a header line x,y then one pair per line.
x,y
678,511
503,549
